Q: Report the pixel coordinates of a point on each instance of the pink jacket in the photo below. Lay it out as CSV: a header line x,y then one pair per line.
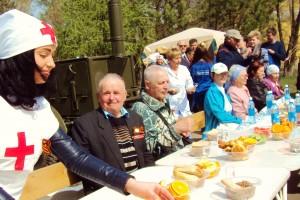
x,y
239,99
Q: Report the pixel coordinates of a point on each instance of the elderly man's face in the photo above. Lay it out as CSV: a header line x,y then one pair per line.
x,y
158,87
112,96
232,42
182,46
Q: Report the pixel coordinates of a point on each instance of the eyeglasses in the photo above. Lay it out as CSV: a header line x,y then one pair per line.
x,y
182,45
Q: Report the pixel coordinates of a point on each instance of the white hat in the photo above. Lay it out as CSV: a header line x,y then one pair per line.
x,y
20,32
219,68
271,69
153,57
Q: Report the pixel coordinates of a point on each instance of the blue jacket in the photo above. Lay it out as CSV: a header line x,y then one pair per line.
x,y
214,109
200,73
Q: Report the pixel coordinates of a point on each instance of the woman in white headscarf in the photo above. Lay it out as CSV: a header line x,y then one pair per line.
x,y
272,81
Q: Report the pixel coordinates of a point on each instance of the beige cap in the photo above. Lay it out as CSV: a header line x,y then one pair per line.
x,y
234,34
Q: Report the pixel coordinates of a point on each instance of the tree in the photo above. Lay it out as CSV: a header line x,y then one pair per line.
x,y
293,44
243,15
83,29
23,5
6,5
170,16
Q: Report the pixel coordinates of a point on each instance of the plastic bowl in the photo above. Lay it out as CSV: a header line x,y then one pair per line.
x,y
251,148
281,135
244,192
237,156
197,183
240,194
262,130
199,152
212,135
211,165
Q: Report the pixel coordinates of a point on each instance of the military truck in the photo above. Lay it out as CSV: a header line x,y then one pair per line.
x,y
76,79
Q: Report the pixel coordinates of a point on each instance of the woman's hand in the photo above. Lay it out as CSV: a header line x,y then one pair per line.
x,y
147,190
191,90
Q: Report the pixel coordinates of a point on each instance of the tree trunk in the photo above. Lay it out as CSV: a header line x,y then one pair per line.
x,y
291,61
279,21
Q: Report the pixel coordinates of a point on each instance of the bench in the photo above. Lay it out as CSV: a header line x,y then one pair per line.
x,y
47,180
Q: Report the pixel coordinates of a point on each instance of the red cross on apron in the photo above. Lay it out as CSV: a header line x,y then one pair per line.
x,y
48,31
20,152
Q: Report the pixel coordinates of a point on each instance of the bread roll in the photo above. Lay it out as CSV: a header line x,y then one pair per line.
x,y
238,148
184,176
228,183
187,172
189,169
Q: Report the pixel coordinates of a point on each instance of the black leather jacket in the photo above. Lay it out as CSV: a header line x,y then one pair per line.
x,y
83,164
258,91
4,195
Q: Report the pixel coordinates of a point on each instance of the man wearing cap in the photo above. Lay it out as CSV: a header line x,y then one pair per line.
x,y
228,53
217,104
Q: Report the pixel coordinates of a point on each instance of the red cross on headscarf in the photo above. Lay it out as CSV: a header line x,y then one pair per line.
x,y
20,152
48,31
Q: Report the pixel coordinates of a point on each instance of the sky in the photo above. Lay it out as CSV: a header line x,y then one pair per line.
x,y
36,9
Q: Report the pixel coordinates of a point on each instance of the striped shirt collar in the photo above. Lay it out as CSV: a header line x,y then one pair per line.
x,y
123,113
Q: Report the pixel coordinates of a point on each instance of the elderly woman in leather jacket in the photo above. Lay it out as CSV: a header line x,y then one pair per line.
x,y
26,61
255,84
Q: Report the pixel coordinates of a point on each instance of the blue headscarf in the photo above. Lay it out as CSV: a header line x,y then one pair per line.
x,y
234,72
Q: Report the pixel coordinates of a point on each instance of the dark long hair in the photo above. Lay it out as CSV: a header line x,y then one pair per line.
x,y
17,84
201,53
253,67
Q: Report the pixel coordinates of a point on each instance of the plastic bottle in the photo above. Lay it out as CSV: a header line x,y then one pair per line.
x,y
292,112
297,104
275,113
251,111
269,101
287,95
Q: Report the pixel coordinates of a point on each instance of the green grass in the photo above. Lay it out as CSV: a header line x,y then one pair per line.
x,y
291,81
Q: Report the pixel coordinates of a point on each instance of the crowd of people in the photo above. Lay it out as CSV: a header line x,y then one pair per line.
x,y
252,69
111,142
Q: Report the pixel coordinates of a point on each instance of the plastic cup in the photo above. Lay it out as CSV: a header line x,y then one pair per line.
x,y
230,171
